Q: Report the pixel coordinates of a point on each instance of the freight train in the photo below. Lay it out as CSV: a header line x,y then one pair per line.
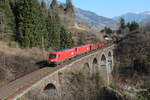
x,y
58,57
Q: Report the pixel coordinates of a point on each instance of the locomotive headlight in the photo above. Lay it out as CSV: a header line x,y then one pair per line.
x,y
72,53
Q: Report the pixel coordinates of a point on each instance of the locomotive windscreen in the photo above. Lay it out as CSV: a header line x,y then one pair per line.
x,y
52,56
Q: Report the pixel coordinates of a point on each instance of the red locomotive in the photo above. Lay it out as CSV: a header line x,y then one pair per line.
x,y
58,57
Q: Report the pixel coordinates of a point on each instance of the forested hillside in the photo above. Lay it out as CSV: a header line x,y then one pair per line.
x,y
31,23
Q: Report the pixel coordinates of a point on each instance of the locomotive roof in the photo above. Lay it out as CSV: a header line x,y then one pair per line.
x,y
64,50
69,48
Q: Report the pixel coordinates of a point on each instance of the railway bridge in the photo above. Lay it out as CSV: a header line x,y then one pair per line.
x,y
49,78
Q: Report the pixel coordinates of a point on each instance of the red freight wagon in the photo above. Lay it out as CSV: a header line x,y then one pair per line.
x,y
97,45
58,57
82,49
101,44
94,46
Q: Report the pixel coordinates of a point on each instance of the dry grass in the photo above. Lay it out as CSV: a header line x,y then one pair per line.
x,y
5,75
11,50
16,62
80,26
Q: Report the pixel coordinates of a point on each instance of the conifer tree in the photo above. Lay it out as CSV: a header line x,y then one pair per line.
x,y
107,30
122,24
53,30
66,39
61,9
61,6
81,40
43,4
133,25
69,6
2,24
43,9
7,20
70,40
43,16
54,4
122,27
29,28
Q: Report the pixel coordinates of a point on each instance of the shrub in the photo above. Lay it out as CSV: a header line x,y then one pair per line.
x,y
143,95
96,77
12,44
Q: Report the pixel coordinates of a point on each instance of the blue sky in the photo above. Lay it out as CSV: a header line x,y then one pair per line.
x,y
111,8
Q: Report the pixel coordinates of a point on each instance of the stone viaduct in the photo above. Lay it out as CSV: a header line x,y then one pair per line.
x,y
48,79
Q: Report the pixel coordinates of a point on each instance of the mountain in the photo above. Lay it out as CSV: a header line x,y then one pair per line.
x,y
144,12
90,19
137,16
93,20
146,22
